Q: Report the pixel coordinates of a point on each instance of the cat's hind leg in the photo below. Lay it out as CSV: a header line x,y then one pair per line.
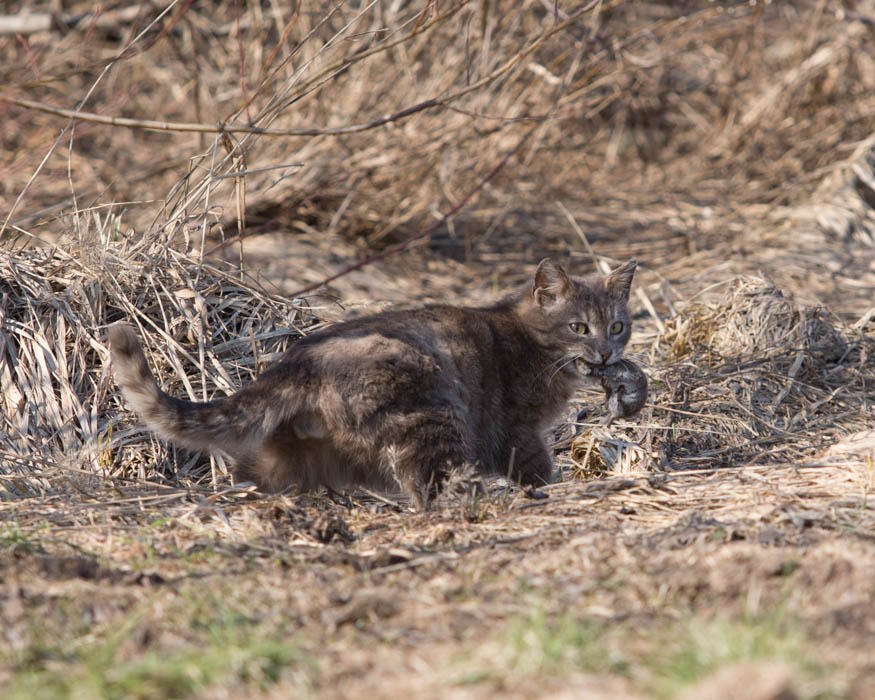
x,y
283,462
418,451
530,464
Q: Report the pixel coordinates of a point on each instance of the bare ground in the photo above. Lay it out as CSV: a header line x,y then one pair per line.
x,y
622,586
720,546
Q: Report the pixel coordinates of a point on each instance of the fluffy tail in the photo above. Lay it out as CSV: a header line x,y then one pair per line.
x,y
214,424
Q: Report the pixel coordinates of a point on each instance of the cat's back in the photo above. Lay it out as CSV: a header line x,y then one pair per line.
x,y
396,350
431,329
436,357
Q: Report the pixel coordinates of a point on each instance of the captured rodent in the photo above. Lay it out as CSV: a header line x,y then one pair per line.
x,y
625,387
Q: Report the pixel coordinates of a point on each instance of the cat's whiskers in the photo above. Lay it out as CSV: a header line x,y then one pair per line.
x,y
551,365
565,360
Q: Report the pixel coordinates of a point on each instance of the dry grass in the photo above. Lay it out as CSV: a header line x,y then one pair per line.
x,y
755,378
723,540
212,330
673,125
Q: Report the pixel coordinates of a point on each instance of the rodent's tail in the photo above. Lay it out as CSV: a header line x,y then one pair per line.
x,y
213,424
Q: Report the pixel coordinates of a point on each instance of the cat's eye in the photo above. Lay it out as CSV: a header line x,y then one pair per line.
x,y
616,328
579,328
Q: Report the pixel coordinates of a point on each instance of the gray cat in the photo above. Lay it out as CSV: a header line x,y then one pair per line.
x,y
400,398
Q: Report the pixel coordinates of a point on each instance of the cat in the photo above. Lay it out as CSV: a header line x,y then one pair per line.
x,y
399,398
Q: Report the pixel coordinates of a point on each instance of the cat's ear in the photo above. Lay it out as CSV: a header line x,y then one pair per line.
x,y
551,283
619,281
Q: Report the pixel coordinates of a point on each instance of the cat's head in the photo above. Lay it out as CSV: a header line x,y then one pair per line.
x,y
584,319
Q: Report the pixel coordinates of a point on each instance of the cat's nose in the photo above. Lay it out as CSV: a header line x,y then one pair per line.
x,y
605,356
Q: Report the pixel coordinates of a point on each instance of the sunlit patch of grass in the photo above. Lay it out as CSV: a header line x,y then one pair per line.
x,y
660,660
13,536
682,656
225,648
241,661
540,644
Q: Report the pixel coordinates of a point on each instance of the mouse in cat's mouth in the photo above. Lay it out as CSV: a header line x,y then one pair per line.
x,y
624,384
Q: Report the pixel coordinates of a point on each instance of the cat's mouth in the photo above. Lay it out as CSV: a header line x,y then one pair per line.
x,y
587,369
584,369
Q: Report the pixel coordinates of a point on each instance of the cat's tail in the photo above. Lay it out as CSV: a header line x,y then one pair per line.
x,y
220,423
